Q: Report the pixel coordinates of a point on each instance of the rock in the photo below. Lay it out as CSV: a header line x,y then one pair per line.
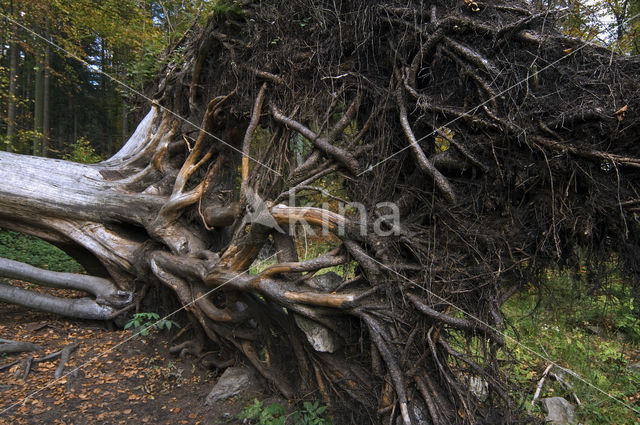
x,y
559,411
596,330
326,282
267,252
622,336
635,367
320,338
479,388
418,413
233,381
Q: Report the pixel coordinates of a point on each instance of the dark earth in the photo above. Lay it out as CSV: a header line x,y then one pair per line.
x,y
112,378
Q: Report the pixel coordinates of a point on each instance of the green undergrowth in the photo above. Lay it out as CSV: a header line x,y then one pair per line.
x,y
595,335
311,413
308,248
31,250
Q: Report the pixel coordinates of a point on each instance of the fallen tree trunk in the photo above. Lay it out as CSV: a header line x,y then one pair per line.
x,y
463,181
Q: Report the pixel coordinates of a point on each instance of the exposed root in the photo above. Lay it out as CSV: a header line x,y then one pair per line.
x,y
423,162
12,347
324,143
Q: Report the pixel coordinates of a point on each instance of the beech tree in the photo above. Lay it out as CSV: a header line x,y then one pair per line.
x,y
506,147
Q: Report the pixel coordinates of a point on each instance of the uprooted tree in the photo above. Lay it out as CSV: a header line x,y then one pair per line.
x,y
506,147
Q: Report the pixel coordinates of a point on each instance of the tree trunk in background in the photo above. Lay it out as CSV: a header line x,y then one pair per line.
x,y
38,102
13,76
124,111
104,100
46,99
124,123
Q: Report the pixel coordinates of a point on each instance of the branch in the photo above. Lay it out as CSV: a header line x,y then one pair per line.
x,y
456,322
425,165
65,353
392,365
248,136
424,49
104,290
321,142
588,153
313,264
540,384
473,57
79,308
193,161
329,220
10,347
268,76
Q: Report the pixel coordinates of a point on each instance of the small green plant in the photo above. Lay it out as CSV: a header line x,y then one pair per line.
x,y
312,414
305,22
82,151
148,322
257,413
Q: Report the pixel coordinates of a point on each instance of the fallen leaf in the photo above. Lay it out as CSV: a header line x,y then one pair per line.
x,y
620,113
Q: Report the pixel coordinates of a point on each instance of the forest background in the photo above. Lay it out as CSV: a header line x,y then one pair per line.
x,y
52,103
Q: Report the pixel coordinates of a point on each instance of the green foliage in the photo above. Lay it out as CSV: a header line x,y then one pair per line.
x,y
141,70
312,413
580,331
21,142
257,413
82,151
612,23
147,322
222,9
304,22
31,250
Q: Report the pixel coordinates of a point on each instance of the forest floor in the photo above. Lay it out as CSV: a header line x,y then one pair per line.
x,y
137,381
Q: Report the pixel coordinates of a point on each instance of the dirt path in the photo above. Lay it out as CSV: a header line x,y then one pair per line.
x,y
136,382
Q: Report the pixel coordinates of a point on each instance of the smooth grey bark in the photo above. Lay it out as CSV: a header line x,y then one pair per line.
x,y
8,346
33,185
79,308
104,290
